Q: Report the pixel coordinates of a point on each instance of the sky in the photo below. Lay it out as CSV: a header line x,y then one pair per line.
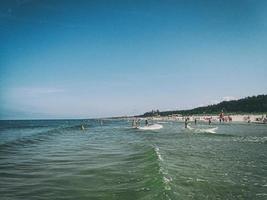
x,y
87,59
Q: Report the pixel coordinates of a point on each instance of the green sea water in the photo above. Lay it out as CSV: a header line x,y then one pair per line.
x,y
55,159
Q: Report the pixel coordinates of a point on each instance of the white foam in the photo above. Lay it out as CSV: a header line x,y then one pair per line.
x,y
151,127
254,139
202,130
162,122
261,194
158,154
166,178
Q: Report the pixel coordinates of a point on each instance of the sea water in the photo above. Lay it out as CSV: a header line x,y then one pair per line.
x,y
56,159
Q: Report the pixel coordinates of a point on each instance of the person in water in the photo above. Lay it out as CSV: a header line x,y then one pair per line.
x,y
195,121
134,123
209,121
146,122
186,123
138,122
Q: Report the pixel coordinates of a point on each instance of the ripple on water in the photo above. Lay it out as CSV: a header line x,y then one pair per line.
x,y
116,162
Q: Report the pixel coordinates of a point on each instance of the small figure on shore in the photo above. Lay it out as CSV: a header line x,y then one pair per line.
x,y
146,122
221,117
195,121
186,123
209,121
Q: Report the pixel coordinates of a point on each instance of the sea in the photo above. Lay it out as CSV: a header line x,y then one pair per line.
x,y
109,160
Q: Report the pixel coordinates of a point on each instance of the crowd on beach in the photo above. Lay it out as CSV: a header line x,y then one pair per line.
x,y
221,118
209,119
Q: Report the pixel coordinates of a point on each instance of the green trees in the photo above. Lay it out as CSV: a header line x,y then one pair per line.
x,y
254,104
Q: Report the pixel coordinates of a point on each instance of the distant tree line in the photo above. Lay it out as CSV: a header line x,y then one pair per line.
x,y
254,104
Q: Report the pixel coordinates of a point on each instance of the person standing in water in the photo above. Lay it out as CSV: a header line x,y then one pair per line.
x,y
209,121
186,123
221,117
134,123
138,122
146,122
82,127
195,121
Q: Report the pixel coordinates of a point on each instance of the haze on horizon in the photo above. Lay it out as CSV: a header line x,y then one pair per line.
x,y
85,59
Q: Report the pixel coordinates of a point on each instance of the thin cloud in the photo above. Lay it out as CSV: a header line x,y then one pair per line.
x,y
212,102
229,98
32,91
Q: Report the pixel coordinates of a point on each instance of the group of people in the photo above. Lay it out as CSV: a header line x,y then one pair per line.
x,y
195,120
223,118
137,122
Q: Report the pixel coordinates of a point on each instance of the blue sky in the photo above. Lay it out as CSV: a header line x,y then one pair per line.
x,y
83,59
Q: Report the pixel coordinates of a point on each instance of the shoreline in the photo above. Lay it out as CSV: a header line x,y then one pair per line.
x,y
241,118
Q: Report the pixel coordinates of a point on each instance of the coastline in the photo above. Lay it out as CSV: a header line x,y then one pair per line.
x,y
238,118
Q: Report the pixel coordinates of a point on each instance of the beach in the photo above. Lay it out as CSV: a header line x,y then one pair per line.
x,y
133,100
237,118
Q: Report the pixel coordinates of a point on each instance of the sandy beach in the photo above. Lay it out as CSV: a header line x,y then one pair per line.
x,y
248,118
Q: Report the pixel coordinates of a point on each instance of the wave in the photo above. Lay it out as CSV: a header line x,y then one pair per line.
x,y
152,169
151,127
253,139
39,136
202,130
163,171
29,140
21,127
